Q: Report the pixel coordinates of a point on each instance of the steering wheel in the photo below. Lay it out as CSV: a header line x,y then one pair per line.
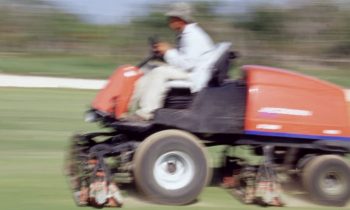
x,y
153,40
153,54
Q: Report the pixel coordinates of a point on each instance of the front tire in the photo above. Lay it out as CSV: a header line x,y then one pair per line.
x,y
326,178
171,167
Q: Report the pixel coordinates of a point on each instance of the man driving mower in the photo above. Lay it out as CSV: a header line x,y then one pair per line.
x,y
192,43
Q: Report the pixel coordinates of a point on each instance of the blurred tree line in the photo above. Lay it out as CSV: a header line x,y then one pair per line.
x,y
319,29
314,30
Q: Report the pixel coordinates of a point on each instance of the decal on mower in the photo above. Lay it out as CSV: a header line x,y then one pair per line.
x,y
332,132
285,111
130,73
268,126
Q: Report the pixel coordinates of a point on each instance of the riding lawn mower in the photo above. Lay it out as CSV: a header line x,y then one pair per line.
x,y
299,123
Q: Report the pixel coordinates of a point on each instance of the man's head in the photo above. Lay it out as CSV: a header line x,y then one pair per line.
x,y
176,24
179,15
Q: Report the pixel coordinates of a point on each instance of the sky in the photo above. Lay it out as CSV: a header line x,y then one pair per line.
x,y
122,11
104,11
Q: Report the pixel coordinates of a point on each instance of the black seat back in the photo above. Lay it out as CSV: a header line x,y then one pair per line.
x,y
221,69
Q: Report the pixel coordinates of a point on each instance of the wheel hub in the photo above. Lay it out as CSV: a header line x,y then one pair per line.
x,y
173,170
332,183
171,167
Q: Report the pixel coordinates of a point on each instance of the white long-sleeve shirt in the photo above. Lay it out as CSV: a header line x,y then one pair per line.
x,y
194,42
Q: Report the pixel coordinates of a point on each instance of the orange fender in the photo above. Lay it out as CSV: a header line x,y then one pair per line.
x,y
284,103
114,98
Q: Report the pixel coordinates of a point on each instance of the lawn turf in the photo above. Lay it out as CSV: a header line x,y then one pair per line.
x,y
62,66
35,126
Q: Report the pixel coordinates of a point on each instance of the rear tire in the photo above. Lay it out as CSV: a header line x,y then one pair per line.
x,y
327,180
171,167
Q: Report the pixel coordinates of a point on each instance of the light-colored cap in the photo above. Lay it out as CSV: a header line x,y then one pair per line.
x,y
181,10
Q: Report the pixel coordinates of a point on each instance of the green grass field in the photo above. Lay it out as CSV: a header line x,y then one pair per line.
x,y
62,66
35,127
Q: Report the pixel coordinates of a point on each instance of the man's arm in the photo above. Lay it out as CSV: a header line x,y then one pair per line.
x,y
173,56
193,44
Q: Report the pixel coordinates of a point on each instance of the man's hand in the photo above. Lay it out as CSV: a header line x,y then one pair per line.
x,y
161,48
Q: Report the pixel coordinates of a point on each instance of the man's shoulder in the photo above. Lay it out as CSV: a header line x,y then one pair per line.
x,y
194,30
192,27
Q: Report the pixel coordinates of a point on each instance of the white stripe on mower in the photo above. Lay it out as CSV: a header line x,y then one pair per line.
x,y
347,93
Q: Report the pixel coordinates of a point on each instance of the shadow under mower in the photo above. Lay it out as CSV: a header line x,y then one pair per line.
x,y
305,120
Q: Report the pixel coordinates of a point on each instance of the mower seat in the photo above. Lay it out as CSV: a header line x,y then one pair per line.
x,y
212,69
211,72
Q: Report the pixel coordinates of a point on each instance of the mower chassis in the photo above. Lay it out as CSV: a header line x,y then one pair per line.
x,y
132,160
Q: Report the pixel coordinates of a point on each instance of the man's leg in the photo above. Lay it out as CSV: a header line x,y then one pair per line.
x,y
139,90
141,84
156,89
